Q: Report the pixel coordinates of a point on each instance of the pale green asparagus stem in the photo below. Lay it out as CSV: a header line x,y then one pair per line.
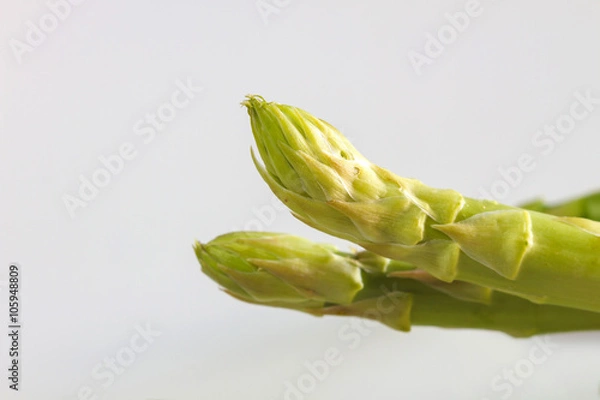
x,y
583,207
327,184
286,271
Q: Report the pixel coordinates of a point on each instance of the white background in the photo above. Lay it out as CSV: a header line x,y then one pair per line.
x,y
126,259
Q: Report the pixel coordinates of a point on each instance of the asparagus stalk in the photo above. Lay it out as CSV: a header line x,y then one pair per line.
x,y
330,186
583,207
282,270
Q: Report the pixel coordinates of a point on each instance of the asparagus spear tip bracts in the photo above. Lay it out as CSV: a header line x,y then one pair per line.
x,y
286,271
329,185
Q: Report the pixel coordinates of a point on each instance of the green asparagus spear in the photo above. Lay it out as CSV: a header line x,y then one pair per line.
x,y
327,184
282,270
584,207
